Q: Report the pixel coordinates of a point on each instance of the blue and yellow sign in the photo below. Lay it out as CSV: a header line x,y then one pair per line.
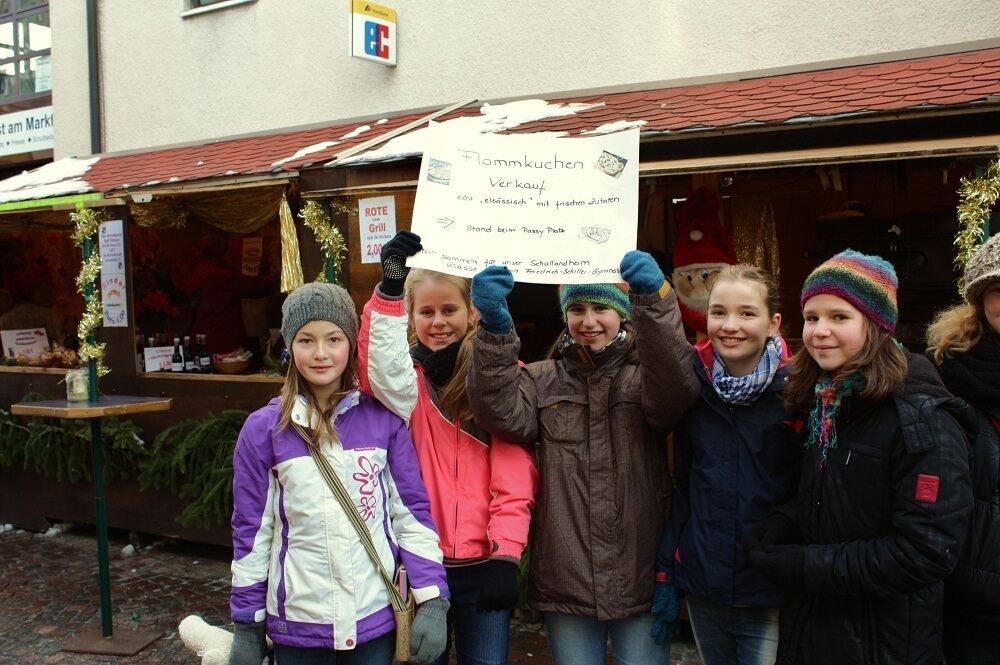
x,y
373,32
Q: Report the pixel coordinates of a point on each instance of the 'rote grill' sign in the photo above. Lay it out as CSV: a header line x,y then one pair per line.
x,y
373,32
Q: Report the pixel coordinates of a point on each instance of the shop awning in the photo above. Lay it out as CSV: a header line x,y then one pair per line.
x,y
961,82
952,147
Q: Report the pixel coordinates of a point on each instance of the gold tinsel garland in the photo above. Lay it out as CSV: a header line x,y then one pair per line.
x,y
331,241
977,197
86,224
291,263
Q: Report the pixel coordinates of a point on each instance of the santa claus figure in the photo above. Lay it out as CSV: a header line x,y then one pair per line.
x,y
702,249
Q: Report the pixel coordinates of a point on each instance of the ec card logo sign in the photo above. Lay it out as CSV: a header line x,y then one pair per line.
x,y
373,32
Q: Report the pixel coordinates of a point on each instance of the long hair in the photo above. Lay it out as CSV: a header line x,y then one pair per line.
x,y
955,330
453,396
296,385
881,361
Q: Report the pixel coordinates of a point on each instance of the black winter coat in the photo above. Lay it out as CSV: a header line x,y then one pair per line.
x,y
882,524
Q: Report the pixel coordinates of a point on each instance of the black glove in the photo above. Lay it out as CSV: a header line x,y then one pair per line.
x,y
499,590
784,564
394,254
775,530
249,644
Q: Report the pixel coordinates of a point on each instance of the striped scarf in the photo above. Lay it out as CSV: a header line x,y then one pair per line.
x,y
745,390
823,417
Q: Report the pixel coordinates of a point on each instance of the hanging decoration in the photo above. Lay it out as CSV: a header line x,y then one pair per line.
x,y
331,241
291,264
977,197
86,224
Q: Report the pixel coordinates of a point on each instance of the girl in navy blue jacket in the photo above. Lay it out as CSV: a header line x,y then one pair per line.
x,y
735,460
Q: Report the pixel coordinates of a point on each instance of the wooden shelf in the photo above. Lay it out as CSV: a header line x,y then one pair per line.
x,y
114,405
235,378
26,369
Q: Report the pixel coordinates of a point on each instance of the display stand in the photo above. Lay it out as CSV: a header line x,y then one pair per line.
x,y
125,643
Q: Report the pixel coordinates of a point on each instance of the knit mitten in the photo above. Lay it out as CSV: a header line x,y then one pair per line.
x,y
665,610
490,288
500,587
784,564
641,272
249,644
394,254
429,632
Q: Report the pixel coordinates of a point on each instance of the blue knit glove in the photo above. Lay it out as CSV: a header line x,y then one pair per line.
x,y
489,294
665,611
641,272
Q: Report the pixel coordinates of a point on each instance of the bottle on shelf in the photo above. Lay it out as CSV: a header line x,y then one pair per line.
x,y
177,360
140,357
190,365
204,358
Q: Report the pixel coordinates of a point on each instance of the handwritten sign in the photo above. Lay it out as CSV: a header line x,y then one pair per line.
x,y
158,358
253,249
553,210
377,218
29,342
114,292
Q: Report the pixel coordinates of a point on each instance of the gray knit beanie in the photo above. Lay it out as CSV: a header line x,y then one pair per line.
x,y
318,301
983,267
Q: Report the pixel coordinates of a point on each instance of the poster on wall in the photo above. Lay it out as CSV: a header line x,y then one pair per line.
x,y
253,248
377,219
114,294
553,210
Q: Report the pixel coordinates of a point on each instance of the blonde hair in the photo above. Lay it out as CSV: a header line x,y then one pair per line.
x,y
881,361
955,330
750,273
296,385
453,396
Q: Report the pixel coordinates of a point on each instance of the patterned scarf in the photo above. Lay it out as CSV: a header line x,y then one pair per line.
x,y
745,390
823,418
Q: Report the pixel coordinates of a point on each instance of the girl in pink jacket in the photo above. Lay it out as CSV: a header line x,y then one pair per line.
x,y
481,488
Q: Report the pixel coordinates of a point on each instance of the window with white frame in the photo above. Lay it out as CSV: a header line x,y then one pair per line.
x,y
25,49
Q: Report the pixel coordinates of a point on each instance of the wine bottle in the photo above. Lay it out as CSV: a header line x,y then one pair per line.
x,y
177,360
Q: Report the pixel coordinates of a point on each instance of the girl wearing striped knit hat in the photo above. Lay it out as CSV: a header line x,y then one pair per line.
x,y
884,493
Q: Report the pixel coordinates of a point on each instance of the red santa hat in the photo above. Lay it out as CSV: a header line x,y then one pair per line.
x,y
701,237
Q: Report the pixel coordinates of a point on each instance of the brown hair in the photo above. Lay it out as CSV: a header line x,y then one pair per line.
x,y
955,330
881,361
453,396
759,276
296,385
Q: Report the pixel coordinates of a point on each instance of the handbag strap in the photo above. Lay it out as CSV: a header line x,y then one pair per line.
x,y
340,492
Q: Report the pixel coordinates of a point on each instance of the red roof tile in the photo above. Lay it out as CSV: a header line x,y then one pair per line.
x,y
918,84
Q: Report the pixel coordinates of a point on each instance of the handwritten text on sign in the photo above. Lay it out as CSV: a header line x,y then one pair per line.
x,y
553,210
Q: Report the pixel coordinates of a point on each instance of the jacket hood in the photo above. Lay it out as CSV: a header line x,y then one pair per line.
x,y
922,378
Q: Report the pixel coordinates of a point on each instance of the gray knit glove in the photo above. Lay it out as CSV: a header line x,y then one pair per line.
x,y
249,644
429,632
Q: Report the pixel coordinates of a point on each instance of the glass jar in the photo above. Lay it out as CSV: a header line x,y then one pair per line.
x,y
77,388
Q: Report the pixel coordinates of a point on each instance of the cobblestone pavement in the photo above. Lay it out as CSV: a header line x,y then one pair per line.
x,y
49,593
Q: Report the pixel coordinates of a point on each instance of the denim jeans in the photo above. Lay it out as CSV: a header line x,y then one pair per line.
x,y
728,635
576,640
373,652
480,638
968,642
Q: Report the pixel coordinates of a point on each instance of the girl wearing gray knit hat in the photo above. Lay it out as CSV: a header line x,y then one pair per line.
x,y
302,573
964,341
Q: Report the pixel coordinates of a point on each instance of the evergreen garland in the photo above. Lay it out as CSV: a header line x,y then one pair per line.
x,y
194,460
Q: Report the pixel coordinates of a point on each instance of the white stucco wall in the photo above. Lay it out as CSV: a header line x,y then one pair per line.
x,y
280,63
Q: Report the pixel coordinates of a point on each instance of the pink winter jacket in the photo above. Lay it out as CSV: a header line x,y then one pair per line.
x,y
481,488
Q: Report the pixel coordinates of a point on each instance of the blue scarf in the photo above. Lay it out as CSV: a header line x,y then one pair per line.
x,y
745,390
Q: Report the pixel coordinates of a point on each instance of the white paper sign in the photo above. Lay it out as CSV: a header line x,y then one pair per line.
x,y
252,250
553,210
377,218
114,293
26,342
157,358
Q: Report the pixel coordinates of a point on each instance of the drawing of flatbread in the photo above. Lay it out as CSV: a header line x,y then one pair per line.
x,y
439,172
610,163
595,234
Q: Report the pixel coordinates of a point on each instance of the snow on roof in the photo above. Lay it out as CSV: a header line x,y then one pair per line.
x,y
308,150
616,126
491,118
58,178
356,131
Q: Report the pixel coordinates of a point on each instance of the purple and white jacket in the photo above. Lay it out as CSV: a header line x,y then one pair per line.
x,y
297,559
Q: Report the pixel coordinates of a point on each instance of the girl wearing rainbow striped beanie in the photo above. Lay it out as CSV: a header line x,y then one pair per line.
x,y
884,491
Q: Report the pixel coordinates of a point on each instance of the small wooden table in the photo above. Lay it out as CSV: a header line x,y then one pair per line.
x,y
126,643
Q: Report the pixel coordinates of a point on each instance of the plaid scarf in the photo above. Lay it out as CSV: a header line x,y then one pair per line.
x,y
745,390
823,417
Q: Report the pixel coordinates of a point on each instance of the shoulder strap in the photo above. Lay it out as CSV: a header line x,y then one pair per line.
x,y
344,499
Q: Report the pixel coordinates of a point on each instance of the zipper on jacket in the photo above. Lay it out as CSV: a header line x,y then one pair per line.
x,y
848,460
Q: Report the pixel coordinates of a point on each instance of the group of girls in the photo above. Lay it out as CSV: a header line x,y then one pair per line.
x,y
822,501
